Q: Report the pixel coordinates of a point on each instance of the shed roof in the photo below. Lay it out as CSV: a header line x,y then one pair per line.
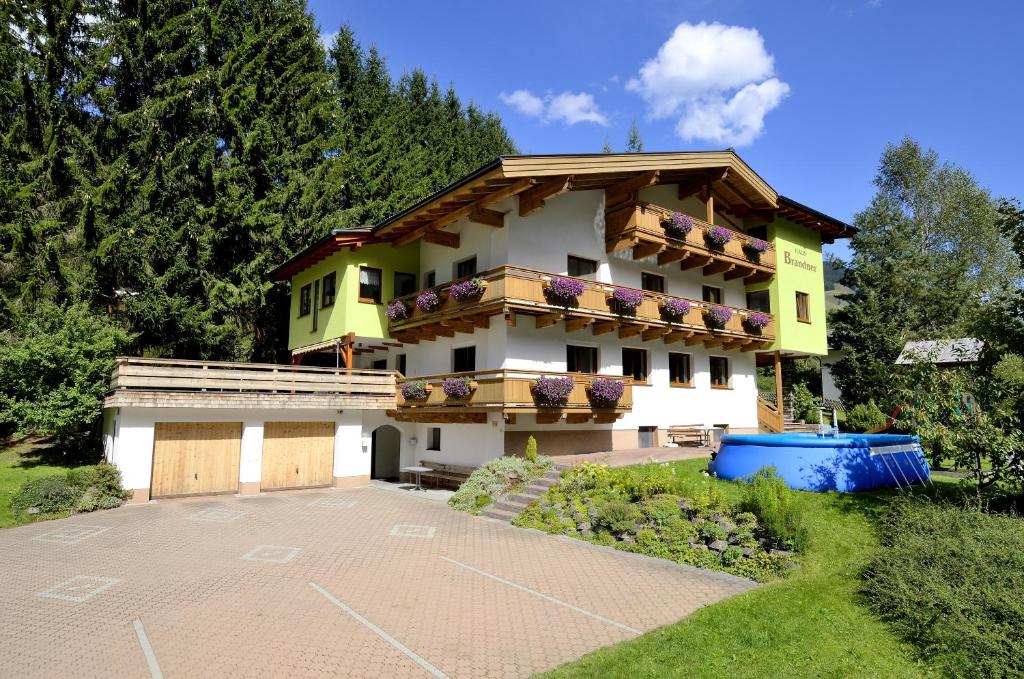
x,y
942,352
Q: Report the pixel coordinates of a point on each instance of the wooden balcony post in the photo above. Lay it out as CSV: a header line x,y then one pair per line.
x,y
778,382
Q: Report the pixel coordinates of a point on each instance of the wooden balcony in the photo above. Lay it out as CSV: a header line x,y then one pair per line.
x,y
509,392
150,382
519,294
639,226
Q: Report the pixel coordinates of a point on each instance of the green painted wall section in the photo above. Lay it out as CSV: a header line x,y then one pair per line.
x,y
348,314
799,269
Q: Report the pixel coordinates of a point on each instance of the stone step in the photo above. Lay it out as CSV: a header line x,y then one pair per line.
x,y
492,512
521,498
510,506
545,481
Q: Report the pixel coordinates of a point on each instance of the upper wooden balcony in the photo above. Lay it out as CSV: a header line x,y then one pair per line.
x,y
639,226
509,392
515,291
165,382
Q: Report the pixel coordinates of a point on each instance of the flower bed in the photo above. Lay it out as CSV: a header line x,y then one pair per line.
x,y
498,477
647,509
397,311
626,300
755,321
552,391
427,301
678,225
563,291
718,236
467,290
675,309
717,316
416,390
457,387
605,393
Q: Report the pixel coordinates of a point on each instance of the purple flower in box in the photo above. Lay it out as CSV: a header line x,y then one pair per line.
x,y
678,225
456,387
755,246
717,316
397,311
467,290
718,236
427,301
605,393
676,309
414,391
756,321
626,300
553,391
563,291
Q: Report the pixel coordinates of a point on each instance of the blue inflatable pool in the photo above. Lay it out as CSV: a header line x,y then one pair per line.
x,y
845,462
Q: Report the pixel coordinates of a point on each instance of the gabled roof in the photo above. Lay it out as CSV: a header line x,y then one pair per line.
x,y
322,248
942,352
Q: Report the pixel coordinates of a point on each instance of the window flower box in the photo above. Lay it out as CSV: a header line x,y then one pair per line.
x,y
458,387
605,392
427,301
467,290
754,248
677,225
562,291
397,311
715,317
552,392
755,322
717,237
625,300
417,390
674,310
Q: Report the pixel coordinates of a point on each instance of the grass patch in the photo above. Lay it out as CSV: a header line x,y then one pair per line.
x,y
22,462
812,624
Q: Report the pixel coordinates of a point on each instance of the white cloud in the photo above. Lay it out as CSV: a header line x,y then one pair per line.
x,y
720,81
568,107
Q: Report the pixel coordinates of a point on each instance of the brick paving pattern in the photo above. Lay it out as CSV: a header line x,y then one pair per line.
x,y
235,586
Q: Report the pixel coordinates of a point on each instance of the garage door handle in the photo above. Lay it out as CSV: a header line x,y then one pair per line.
x,y
296,470
196,475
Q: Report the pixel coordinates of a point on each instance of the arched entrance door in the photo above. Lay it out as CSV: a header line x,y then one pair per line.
x,y
386,442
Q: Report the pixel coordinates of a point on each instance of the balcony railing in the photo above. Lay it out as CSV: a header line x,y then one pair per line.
x,y
508,392
516,291
639,226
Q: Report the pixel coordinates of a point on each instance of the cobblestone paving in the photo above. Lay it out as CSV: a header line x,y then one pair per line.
x,y
363,582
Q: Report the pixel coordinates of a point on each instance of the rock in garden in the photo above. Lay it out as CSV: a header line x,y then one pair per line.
x,y
780,552
726,525
696,520
32,510
626,537
719,545
747,551
584,526
685,503
717,517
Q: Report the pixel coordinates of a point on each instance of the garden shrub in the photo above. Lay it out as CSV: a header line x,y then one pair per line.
x,y
82,489
805,404
660,509
499,476
776,507
531,450
950,581
643,481
865,417
618,516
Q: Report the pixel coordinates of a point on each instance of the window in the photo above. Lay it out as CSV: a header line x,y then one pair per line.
x,y
405,284
581,359
710,293
580,267
316,304
434,438
680,372
759,301
464,359
305,299
380,364
330,289
652,282
758,232
634,364
719,372
465,268
369,285
429,280
803,307
400,363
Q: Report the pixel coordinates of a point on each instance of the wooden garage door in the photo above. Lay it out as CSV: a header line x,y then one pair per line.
x,y
194,458
297,454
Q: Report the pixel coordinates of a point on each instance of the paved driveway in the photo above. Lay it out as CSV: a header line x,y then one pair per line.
x,y
360,582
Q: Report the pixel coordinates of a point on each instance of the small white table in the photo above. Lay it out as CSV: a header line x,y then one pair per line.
x,y
417,471
708,435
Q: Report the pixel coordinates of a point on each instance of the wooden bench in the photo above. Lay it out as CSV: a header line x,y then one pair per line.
x,y
445,473
687,434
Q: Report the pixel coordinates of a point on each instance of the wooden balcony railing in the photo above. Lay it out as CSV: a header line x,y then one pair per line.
x,y
170,378
508,392
639,226
769,417
516,291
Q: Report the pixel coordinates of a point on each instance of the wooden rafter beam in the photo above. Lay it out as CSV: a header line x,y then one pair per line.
x,y
694,341
698,183
603,327
642,250
577,323
738,271
489,217
758,277
577,418
449,240
605,418
533,199
712,341
453,215
693,261
548,417
623,191
546,320
677,336
721,266
480,321
671,255
653,334
631,330
459,325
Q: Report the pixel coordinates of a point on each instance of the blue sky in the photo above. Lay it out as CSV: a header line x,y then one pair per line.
x,y
808,92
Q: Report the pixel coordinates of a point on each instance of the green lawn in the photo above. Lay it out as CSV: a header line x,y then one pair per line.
x,y
809,625
19,463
